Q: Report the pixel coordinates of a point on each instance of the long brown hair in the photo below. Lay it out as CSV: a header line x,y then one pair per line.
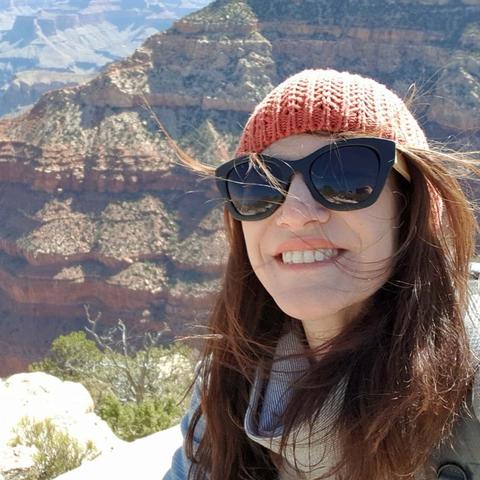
x,y
407,360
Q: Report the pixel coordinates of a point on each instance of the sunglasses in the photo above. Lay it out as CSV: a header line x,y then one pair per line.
x,y
348,174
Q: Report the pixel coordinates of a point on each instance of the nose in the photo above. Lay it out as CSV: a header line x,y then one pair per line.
x,y
300,208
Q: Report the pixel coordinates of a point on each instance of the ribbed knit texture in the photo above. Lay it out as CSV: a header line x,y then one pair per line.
x,y
330,101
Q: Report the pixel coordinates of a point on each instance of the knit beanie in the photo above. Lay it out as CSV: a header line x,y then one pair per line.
x,y
330,101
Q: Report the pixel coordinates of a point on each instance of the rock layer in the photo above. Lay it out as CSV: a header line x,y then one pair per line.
x,y
57,42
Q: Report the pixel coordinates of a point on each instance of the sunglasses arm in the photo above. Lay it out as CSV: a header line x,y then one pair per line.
x,y
401,167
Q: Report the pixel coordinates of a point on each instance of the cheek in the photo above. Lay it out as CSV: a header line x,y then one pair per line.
x,y
387,227
376,227
252,234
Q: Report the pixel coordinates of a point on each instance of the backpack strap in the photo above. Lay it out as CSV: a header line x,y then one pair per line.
x,y
460,458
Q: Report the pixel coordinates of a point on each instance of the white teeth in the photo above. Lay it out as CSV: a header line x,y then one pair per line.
x,y
309,256
297,257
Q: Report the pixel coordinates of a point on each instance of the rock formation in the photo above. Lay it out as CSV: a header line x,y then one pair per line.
x,y
150,457
27,87
39,396
96,208
57,42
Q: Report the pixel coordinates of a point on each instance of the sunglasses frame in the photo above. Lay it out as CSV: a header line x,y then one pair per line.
x,y
384,149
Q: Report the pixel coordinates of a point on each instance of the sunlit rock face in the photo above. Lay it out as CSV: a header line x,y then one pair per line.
x,y
96,208
47,44
153,452
37,397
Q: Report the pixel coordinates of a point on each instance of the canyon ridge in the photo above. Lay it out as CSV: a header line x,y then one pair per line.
x,y
47,44
97,210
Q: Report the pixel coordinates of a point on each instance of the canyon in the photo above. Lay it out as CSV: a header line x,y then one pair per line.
x,y
49,44
97,207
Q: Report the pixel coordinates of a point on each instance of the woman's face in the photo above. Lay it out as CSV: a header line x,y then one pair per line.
x,y
322,291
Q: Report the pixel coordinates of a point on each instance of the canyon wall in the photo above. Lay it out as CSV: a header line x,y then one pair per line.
x,y
96,207
47,44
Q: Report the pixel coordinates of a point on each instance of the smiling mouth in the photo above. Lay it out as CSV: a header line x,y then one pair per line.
x,y
295,257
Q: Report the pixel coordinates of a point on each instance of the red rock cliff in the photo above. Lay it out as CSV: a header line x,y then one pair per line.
x,y
95,207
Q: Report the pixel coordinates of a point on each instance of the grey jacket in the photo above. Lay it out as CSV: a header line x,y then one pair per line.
x,y
314,453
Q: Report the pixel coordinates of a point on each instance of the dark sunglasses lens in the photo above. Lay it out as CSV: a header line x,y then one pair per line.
x,y
346,175
250,191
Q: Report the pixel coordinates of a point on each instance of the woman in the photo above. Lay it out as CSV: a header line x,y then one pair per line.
x,y
342,336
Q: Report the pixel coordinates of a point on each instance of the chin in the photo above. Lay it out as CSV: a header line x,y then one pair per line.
x,y
309,313
328,311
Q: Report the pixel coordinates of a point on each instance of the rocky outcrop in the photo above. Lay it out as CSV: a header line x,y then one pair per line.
x,y
65,41
151,455
97,209
38,396
121,255
457,96
27,87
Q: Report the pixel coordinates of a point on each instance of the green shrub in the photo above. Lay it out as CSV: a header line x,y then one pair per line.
x,y
70,357
137,394
130,420
56,451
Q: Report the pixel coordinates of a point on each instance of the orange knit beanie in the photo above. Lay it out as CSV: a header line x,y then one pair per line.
x,y
330,101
